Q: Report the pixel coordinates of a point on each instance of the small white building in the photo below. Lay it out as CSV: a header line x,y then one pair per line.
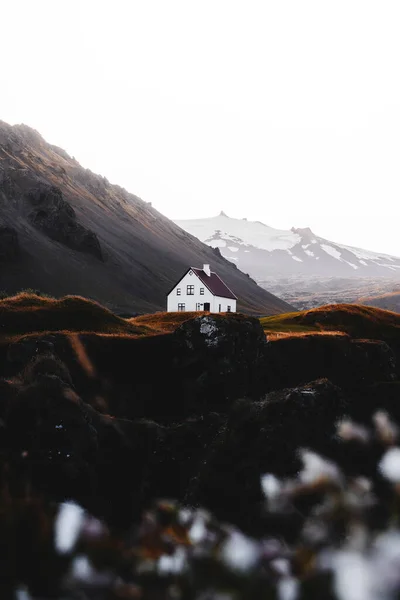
x,y
201,289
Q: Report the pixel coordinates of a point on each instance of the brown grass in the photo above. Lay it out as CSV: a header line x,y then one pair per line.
x,y
354,319
304,334
163,322
387,295
26,314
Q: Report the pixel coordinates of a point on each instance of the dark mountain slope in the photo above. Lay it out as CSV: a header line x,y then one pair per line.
x,y
65,230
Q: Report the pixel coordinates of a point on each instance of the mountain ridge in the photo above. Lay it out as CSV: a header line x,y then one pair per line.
x,y
65,230
264,251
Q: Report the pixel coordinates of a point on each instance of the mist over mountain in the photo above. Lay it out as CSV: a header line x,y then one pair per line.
x,y
263,251
65,230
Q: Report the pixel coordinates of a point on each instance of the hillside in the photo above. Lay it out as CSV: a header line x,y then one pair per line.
x,y
353,319
389,301
263,251
201,409
65,230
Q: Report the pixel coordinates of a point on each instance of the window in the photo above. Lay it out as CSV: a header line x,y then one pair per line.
x,y
190,290
178,291
181,308
201,291
198,306
219,309
228,308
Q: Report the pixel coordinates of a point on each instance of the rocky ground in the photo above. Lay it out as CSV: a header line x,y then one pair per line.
x,y
197,415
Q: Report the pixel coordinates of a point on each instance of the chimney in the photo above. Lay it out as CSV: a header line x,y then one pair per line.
x,y
206,269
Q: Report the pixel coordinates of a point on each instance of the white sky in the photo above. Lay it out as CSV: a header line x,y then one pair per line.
x,y
284,111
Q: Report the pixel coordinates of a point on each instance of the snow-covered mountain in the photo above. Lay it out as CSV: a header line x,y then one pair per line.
x,y
262,251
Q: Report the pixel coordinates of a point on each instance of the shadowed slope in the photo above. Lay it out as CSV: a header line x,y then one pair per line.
x,y
73,232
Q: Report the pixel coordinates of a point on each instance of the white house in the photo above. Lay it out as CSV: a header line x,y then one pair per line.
x,y
201,289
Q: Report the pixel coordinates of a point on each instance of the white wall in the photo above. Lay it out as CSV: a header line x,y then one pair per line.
x,y
224,302
192,302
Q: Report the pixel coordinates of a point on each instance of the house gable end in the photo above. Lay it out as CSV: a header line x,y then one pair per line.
x,y
183,277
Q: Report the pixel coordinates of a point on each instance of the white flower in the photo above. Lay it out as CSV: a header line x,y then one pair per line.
x,y
352,576
174,563
271,486
389,465
240,552
67,526
316,467
288,588
348,430
385,428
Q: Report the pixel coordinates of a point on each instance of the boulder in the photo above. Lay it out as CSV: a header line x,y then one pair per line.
x,y
263,437
19,353
372,361
49,212
229,351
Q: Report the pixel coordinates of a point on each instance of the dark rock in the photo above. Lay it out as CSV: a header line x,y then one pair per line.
x,y
21,352
46,365
57,219
372,361
295,360
263,437
230,354
9,244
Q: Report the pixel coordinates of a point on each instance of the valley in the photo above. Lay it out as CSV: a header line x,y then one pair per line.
x,y
299,266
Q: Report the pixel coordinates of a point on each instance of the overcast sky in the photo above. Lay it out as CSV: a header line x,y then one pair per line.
x,y
283,111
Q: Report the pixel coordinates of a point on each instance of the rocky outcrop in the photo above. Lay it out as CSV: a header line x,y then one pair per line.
x,y
230,353
9,245
344,361
115,421
49,212
262,437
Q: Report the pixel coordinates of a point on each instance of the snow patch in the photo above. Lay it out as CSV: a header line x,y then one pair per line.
x,y
216,243
233,249
250,233
351,264
297,258
331,251
309,252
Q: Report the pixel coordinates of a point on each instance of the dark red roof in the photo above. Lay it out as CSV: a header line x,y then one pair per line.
x,y
214,284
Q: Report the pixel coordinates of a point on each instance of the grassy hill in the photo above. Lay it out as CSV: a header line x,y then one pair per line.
x,y
388,301
355,320
29,314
